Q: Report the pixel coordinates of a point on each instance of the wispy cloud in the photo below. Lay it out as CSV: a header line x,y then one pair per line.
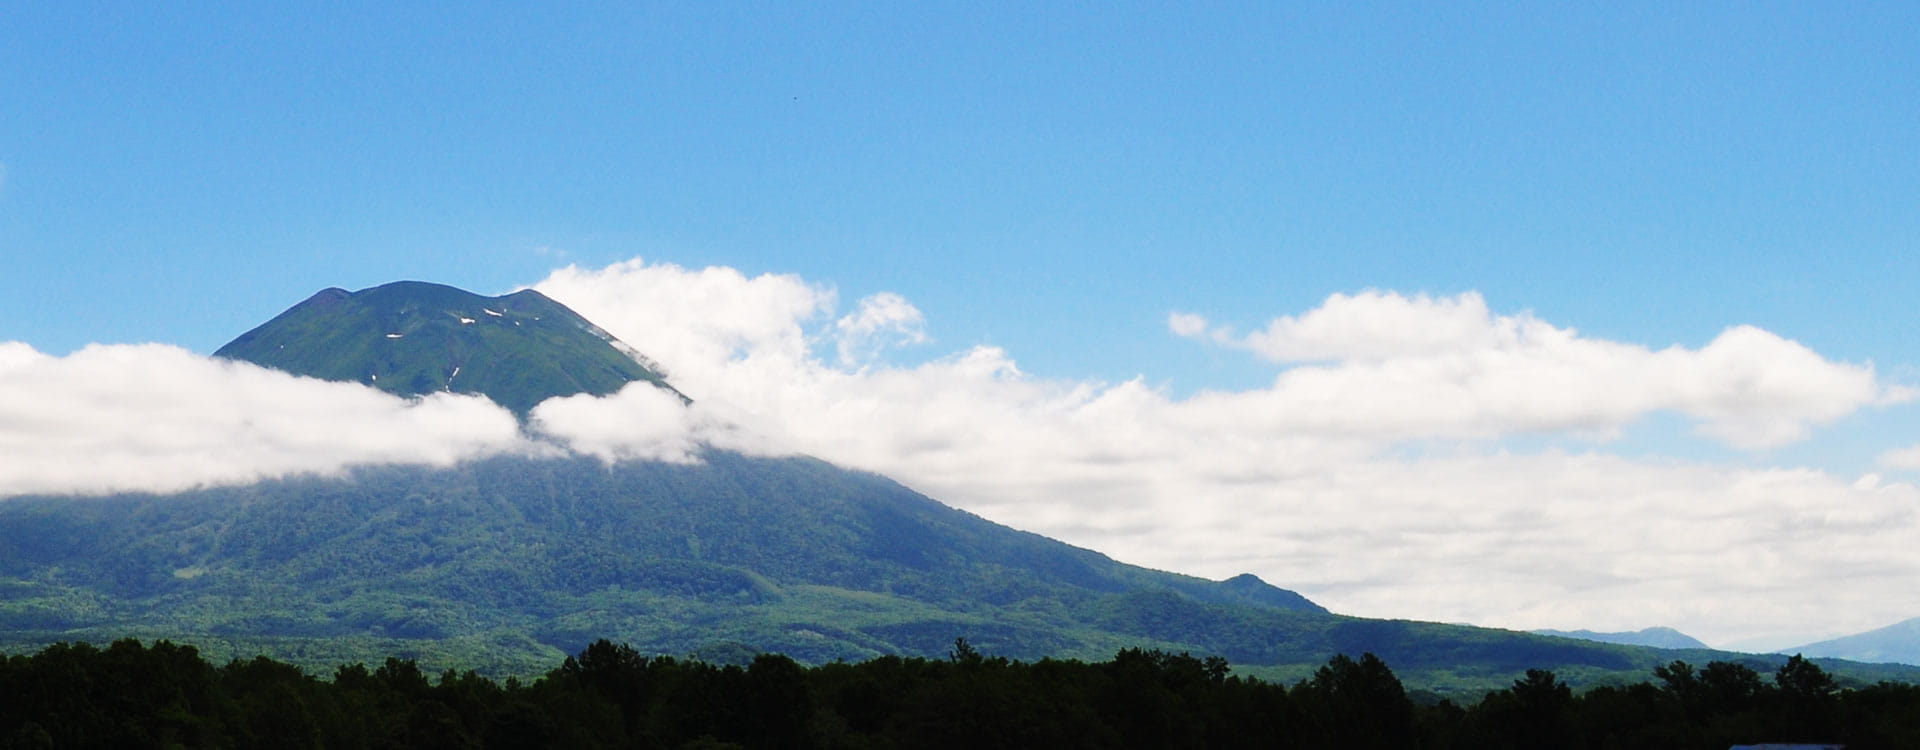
x,y
882,320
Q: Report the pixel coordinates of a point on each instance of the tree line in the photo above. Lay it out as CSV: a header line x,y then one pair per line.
x,y
131,695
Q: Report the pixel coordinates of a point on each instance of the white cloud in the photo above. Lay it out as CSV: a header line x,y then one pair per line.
x,y
1375,325
1902,459
640,422
1549,540
882,320
703,318
1188,325
127,418
644,423
1309,482
1399,367
160,418
1293,481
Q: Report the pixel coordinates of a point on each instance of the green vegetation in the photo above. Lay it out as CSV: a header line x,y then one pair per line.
x,y
131,695
504,566
413,338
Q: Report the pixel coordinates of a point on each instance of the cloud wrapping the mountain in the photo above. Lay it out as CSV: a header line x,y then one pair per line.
x,y
151,417
1368,475
644,423
1300,482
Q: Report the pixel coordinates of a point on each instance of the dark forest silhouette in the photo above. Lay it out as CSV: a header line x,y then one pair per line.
x,y
165,695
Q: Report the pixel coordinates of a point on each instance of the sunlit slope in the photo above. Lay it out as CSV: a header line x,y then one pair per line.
x,y
414,338
773,553
510,562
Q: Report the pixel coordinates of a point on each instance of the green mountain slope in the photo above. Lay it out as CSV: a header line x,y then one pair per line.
x,y
773,553
413,338
507,564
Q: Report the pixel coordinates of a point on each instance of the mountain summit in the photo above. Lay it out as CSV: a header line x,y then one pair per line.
x,y
412,338
510,562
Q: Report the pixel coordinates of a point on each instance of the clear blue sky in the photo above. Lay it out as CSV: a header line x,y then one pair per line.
x,y
1051,178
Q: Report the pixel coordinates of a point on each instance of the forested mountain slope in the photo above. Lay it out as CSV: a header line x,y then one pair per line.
x,y
788,554
507,563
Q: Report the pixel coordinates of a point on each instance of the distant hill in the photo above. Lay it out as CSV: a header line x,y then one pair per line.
x,y
1657,637
412,338
1898,643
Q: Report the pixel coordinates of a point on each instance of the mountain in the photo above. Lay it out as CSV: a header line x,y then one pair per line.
x,y
568,550
412,338
508,564
1897,643
1655,637
787,554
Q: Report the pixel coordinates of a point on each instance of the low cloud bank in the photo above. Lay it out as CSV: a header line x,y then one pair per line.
x,y
644,423
1307,483
158,418
1369,475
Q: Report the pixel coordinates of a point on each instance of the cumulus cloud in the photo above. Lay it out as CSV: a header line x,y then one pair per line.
x,y
1298,481
160,418
1372,325
1188,325
1392,366
703,318
1338,479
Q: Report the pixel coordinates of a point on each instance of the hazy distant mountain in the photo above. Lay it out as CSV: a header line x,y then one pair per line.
x,y
1898,643
1655,637
413,338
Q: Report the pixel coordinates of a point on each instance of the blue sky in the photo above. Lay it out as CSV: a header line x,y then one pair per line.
x,y
1053,181
1645,173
